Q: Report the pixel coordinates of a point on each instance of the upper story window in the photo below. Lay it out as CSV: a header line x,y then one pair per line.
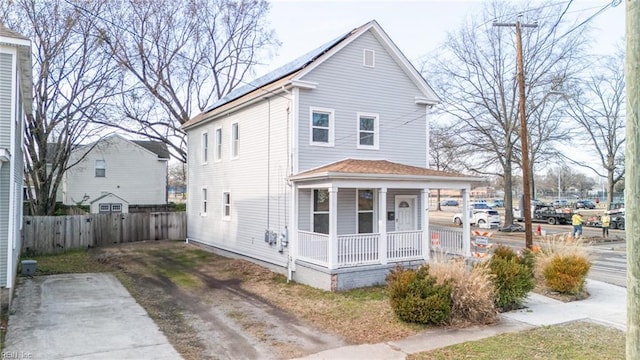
x,y
205,147
203,209
235,140
368,129
226,205
218,144
101,168
369,58
321,127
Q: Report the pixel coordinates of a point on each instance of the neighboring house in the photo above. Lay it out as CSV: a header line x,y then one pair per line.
x,y
108,204
131,172
318,169
16,86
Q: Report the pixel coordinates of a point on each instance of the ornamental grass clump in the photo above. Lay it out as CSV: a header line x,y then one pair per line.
x,y
513,277
562,266
416,297
567,274
472,293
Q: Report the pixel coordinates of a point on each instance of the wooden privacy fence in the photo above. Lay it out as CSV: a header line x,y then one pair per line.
x,y
50,234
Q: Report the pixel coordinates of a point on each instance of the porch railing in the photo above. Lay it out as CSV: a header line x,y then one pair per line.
x,y
446,239
364,249
358,249
313,247
404,245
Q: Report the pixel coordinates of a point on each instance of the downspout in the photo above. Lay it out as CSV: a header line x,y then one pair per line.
x,y
269,167
291,259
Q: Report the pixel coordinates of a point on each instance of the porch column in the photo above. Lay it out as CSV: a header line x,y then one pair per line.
x,y
466,227
293,229
424,220
382,224
332,247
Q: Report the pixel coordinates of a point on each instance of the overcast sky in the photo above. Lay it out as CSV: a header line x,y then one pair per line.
x,y
417,27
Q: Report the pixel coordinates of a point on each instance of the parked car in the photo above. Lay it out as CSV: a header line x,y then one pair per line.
x,y
449,202
480,217
617,219
479,206
585,204
495,203
561,203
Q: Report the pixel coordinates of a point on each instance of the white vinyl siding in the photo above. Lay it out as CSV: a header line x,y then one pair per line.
x,y
235,140
7,101
205,147
256,181
321,126
349,88
368,130
218,144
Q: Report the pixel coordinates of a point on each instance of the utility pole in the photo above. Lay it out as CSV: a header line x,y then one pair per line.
x,y
526,176
632,178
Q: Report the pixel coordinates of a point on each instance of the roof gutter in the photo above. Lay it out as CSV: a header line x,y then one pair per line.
x,y
360,176
239,105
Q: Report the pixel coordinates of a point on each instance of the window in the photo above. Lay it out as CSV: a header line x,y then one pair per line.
x,y
369,58
235,138
365,211
368,131
321,127
226,203
204,202
100,168
321,211
106,208
205,147
218,144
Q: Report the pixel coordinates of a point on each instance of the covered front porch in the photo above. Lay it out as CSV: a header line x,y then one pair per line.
x,y
374,249
370,213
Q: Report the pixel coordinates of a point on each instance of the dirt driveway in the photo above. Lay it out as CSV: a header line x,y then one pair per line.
x,y
211,307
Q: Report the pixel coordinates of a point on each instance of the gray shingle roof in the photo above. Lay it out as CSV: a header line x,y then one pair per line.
x,y
6,32
279,73
156,147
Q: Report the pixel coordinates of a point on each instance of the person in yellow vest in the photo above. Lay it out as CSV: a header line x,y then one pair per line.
x,y
605,222
576,221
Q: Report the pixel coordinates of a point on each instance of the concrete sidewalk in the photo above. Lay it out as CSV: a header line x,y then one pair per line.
x,y
81,316
607,305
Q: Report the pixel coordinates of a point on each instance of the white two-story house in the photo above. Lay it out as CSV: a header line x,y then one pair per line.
x,y
320,168
115,172
16,99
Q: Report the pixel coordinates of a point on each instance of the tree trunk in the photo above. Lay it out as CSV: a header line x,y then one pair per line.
x,y
508,195
632,179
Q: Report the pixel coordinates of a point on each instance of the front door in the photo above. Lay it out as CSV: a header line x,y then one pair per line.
x,y
405,213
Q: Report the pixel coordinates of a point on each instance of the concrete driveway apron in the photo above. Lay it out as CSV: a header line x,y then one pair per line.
x,y
81,316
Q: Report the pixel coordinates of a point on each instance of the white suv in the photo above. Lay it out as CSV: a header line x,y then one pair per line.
x,y
483,218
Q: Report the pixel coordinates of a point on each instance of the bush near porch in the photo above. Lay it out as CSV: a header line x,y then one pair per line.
x,y
499,283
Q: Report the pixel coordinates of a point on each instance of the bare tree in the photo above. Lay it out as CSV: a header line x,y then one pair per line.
x,y
476,77
73,82
179,57
444,152
598,107
178,177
